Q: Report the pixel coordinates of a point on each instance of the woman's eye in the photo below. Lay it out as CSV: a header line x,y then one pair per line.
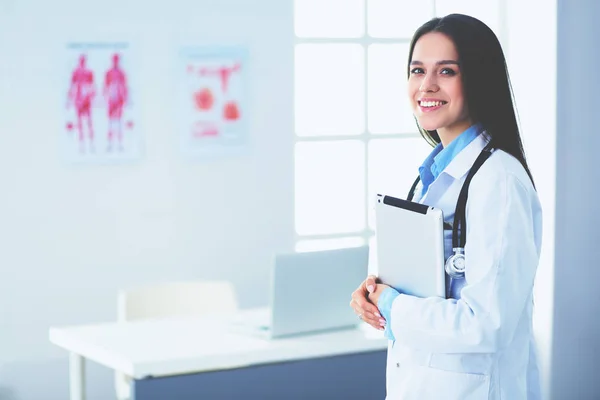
x,y
447,71
416,71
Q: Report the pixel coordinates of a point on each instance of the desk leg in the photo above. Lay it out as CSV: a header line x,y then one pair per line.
x,y
77,376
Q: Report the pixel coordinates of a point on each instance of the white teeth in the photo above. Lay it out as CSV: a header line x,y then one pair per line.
x,y
431,103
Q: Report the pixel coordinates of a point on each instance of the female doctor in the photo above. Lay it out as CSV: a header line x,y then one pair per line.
x,y
478,342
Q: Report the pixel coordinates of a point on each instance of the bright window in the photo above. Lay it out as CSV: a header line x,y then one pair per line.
x,y
330,187
355,135
329,89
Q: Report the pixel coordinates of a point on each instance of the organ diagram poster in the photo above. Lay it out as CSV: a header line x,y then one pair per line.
x,y
100,97
212,108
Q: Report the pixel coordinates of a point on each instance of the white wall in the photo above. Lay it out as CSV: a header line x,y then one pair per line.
x,y
531,53
71,236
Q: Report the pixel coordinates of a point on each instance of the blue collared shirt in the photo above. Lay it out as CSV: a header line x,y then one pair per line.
x,y
440,157
431,168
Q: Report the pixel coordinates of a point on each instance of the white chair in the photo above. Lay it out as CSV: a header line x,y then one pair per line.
x,y
167,300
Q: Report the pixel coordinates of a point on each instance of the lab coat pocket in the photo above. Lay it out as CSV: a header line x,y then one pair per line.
x,y
431,383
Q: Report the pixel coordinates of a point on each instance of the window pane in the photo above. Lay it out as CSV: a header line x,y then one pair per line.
x,y
330,187
389,108
486,11
329,89
393,167
329,18
397,18
329,244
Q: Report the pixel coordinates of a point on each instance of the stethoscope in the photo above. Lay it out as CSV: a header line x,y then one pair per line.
x,y
455,264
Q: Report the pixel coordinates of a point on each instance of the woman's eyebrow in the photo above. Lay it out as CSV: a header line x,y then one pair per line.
x,y
441,62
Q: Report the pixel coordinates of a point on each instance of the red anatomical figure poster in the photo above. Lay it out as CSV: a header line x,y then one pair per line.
x,y
101,115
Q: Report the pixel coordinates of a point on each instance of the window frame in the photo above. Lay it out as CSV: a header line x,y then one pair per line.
x,y
366,234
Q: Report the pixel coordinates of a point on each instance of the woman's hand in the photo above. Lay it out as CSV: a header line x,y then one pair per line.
x,y
374,296
361,305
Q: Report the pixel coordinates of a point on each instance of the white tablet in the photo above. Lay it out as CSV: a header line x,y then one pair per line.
x,y
410,246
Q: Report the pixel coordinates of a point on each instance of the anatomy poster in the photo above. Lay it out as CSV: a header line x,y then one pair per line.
x,y
101,104
212,111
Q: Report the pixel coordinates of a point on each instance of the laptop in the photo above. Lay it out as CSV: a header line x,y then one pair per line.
x,y
309,292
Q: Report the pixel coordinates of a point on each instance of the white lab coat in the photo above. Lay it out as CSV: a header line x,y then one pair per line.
x,y
479,345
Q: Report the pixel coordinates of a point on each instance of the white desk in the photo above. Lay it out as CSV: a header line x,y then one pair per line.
x,y
177,346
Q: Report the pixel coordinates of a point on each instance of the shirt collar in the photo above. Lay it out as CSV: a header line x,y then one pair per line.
x,y
425,169
441,158
445,157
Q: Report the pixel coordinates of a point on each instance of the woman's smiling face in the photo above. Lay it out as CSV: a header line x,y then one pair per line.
x,y
435,87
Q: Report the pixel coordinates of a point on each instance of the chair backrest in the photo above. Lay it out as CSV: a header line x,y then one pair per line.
x,y
167,300
176,299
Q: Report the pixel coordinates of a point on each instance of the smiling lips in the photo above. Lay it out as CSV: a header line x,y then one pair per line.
x,y
428,105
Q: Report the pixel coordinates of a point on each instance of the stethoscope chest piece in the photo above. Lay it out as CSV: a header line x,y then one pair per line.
x,y
455,264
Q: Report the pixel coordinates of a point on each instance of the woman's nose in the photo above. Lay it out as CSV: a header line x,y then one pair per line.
x,y
429,84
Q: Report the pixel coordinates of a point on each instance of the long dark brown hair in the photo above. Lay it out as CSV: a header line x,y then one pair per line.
x,y
486,84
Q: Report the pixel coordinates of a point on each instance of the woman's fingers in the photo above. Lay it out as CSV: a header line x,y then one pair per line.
x,y
370,283
361,305
365,316
366,310
373,320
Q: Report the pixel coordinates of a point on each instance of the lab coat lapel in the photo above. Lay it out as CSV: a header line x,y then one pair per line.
x,y
437,189
454,172
462,163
